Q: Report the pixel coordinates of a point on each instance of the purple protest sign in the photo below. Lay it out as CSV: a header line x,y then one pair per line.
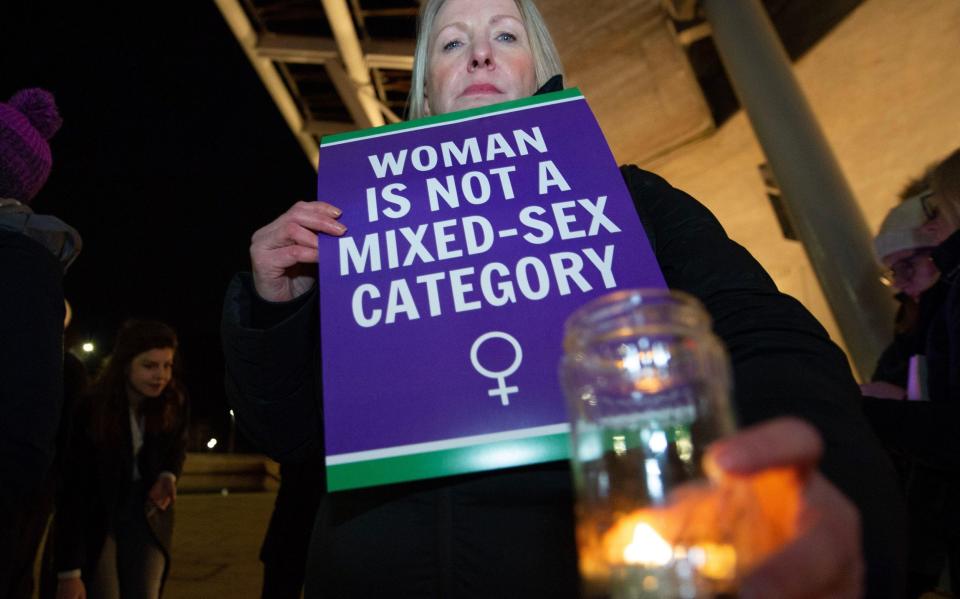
x,y
470,238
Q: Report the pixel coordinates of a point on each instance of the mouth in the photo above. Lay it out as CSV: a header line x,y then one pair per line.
x,y
481,89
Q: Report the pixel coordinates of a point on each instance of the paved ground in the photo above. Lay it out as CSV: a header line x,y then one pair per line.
x,y
216,543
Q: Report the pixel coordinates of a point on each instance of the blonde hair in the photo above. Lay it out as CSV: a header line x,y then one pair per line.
x,y
945,183
545,58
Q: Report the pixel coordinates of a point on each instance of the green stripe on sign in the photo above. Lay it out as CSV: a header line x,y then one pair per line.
x,y
452,117
461,460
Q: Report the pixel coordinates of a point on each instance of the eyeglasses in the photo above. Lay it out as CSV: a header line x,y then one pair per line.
x,y
930,208
904,269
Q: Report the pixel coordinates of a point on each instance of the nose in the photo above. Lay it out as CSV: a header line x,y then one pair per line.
x,y
481,57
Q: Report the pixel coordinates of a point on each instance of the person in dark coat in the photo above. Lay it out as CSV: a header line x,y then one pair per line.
x,y
927,436
35,251
943,343
75,383
905,250
114,520
922,438
285,546
510,533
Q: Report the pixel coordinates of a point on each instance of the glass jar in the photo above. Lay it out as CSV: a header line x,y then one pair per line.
x,y
647,385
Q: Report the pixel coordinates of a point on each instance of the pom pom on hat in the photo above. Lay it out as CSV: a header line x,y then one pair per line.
x,y
40,109
901,228
27,121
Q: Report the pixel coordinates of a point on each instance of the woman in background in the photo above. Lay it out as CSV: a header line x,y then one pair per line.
x,y
114,514
943,341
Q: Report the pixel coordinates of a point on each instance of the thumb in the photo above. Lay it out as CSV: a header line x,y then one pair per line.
x,y
780,442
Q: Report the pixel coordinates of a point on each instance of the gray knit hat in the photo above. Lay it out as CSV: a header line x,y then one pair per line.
x,y
901,228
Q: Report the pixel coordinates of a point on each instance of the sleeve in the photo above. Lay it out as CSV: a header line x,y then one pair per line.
x,y
892,365
174,448
273,371
31,366
75,494
953,338
783,362
927,431
947,258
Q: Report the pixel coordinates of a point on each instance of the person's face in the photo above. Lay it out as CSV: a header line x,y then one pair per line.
x,y
479,55
912,270
937,225
151,371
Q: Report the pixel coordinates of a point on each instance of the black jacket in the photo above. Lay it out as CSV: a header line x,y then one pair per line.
x,y
35,250
510,533
943,338
31,365
98,478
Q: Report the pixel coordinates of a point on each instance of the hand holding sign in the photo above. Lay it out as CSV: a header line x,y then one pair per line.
x,y
279,250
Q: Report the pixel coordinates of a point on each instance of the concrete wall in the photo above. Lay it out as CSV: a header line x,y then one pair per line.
x,y
885,85
212,472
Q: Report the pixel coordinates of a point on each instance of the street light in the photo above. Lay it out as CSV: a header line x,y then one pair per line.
x,y
232,442
211,443
88,347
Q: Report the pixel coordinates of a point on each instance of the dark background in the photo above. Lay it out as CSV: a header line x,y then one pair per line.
x,y
170,156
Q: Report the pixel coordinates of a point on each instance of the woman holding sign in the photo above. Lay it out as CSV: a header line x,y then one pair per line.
x,y
510,533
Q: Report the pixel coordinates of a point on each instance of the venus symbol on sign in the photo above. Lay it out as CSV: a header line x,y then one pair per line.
x,y
502,389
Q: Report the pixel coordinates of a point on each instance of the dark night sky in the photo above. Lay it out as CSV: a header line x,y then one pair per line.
x,y
170,156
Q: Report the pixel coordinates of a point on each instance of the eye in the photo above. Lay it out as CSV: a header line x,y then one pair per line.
x,y
506,37
452,45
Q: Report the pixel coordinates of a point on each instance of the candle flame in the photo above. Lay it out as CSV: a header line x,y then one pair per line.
x,y
647,547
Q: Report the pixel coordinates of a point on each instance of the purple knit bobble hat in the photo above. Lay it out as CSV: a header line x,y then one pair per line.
x,y
27,121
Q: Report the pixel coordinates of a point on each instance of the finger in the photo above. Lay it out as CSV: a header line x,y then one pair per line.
x,y
315,207
302,254
277,235
297,234
274,263
330,209
318,216
310,214
301,230
825,558
780,442
274,258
